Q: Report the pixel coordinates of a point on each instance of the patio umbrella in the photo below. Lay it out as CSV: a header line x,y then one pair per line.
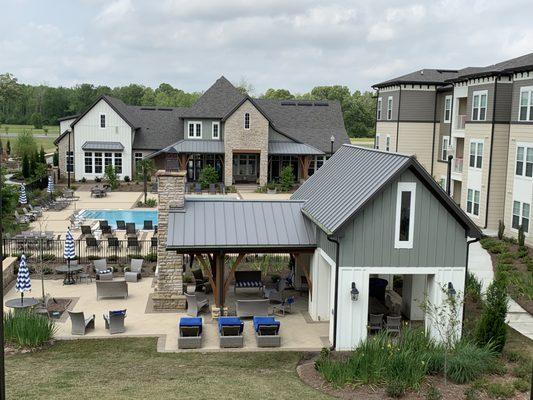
x,y
23,278
22,195
50,188
69,253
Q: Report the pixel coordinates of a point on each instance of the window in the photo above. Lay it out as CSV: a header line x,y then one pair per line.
x,y
380,104
476,154
445,146
387,146
479,106
118,163
442,182
521,215
447,108
472,202
389,108
524,161
108,160
405,215
376,143
98,163
194,130
216,130
70,161
89,163
525,112
102,120
138,157
247,121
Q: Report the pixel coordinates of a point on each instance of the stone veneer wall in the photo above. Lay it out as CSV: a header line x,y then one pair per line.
x,y
168,292
62,152
253,140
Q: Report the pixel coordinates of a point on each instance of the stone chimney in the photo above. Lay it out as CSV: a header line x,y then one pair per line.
x,y
168,291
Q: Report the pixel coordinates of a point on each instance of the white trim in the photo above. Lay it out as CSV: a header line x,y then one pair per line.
x,y
249,121
471,213
405,187
529,105
387,143
195,130
100,121
476,153
326,257
217,124
443,149
380,109
525,146
480,93
444,179
389,101
521,216
376,142
448,99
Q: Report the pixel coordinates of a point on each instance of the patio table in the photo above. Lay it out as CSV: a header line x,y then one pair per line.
x,y
19,303
69,273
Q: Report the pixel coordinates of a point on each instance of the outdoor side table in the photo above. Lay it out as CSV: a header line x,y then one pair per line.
x,y
69,276
19,303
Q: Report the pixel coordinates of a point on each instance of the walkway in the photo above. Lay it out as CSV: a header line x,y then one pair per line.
x,y
480,264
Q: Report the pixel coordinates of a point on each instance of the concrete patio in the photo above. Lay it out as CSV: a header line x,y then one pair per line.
x,y
298,332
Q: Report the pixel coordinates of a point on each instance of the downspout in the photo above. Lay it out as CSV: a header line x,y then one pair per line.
x,y
491,150
434,131
398,121
468,243
335,301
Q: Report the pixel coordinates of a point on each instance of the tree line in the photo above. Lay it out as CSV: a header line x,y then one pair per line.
x,y
40,105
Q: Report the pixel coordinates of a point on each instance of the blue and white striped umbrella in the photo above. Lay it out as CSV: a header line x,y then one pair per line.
x,y
22,195
50,188
69,252
23,277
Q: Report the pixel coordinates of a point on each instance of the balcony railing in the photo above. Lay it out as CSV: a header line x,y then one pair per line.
x,y
461,119
457,165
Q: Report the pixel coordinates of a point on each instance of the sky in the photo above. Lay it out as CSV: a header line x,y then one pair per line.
x,y
291,44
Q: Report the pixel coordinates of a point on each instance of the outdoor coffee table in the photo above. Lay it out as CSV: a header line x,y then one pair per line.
x,y
69,274
19,303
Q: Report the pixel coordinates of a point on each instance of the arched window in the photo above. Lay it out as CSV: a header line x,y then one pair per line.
x,y
247,121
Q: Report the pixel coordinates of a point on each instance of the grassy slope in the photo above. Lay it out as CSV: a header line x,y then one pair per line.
x,y
53,130
132,369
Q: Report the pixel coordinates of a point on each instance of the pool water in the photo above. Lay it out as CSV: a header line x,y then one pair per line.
x,y
138,217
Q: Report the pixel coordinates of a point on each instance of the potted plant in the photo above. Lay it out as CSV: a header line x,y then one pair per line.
x,y
271,188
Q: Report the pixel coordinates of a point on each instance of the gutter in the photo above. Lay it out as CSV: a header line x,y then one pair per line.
x,y
468,243
336,298
398,121
491,149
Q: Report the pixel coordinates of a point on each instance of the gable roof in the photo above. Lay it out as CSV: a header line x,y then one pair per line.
x,y
116,104
353,176
157,127
524,62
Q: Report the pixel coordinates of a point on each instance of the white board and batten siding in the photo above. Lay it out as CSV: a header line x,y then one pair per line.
x,y
65,125
88,129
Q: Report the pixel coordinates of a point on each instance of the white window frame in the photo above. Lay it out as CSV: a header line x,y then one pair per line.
x,y
217,124
249,121
445,148
473,201
195,132
521,216
380,106
88,155
448,109
376,143
527,147
442,182
477,154
387,143
405,187
389,108
529,105
100,121
480,93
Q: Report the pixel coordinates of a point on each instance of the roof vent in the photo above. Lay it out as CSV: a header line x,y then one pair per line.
x,y
147,108
321,104
288,103
164,109
422,72
305,104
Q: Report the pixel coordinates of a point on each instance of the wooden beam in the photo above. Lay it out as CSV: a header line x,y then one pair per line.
x,y
232,271
307,273
183,159
209,274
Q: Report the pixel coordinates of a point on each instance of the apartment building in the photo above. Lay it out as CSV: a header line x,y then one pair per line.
x,y
483,117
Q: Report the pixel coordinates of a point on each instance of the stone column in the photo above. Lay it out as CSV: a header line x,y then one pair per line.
x,y
168,291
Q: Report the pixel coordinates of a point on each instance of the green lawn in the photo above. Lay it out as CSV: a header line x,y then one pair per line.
x,y
53,130
364,142
132,369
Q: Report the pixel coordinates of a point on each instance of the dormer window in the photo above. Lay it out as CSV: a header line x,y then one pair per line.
x,y
102,120
194,130
247,121
216,130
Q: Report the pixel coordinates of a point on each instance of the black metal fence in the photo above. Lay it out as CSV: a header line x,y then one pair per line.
x,y
51,250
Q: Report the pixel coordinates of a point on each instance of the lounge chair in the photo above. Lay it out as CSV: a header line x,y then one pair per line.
x,y
114,321
102,271
247,279
106,230
86,230
250,308
190,333
113,243
375,322
393,325
230,332
197,188
111,289
21,219
80,324
202,283
135,269
195,305
103,223
267,332
130,229
28,214
154,241
284,307
212,188
133,243
121,225
36,210
92,243
148,225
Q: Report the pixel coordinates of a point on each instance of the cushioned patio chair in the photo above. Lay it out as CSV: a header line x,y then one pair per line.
x,y
230,332
250,308
267,332
190,333
212,188
284,307
130,229
102,271
86,230
195,304
114,321
197,188
135,269
148,225
277,294
393,325
202,283
375,322
80,324
121,225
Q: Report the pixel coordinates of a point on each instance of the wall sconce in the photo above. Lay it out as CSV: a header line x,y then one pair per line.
x,y
451,290
354,292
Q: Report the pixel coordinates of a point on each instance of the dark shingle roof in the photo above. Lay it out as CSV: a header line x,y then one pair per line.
x,y
157,127
508,66
217,101
353,177
421,76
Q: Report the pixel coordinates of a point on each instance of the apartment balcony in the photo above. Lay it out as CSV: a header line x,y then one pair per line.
x,y
460,124
457,169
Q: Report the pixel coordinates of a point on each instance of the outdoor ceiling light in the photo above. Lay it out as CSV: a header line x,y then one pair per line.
x,y
451,290
354,292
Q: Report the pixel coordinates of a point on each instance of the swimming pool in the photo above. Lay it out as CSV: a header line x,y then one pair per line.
x,y
138,217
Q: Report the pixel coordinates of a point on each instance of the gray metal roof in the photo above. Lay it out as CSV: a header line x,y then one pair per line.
x,y
292,148
239,224
114,146
353,176
195,146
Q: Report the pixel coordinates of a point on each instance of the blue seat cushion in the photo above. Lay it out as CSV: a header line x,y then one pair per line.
x,y
191,321
117,312
230,321
258,321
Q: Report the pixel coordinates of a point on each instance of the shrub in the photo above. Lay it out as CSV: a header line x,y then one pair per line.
x,y
111,177
521,385
523,370
473,287
27,329
469,361
286,179
433,394
127,178
521,236
395,389
501,229
491,327
49,257
25,166
151,257
500,390
97,179
56,158
208,175
471,393
83,180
